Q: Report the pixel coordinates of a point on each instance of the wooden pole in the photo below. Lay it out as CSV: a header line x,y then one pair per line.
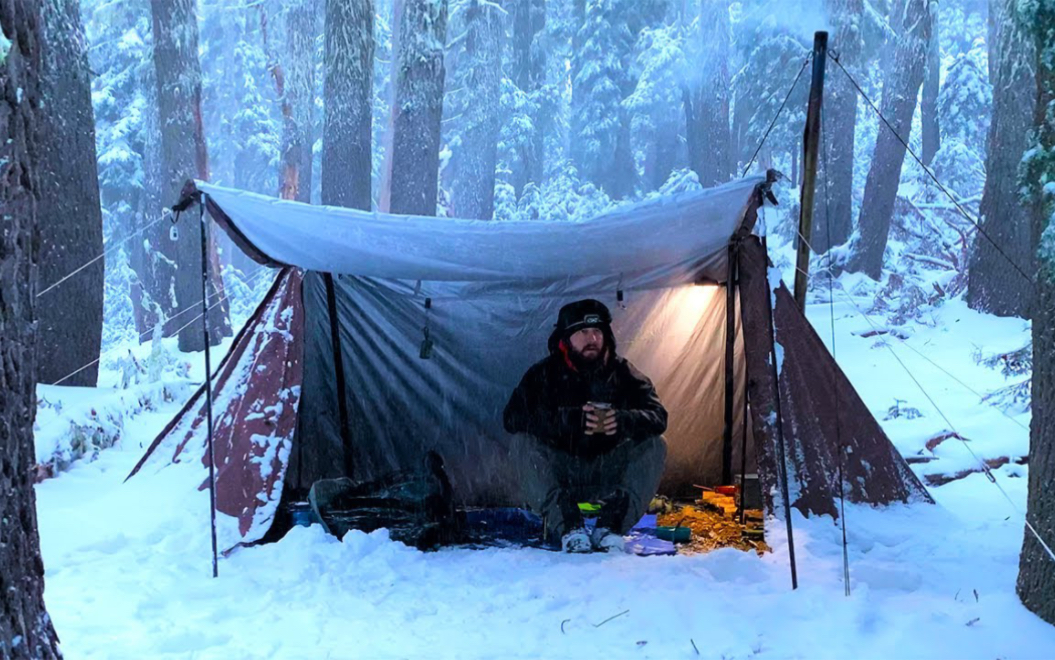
x,y
811,139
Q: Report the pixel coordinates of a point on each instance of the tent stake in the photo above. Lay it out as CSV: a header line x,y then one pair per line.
x,y
810,142
780,427
208,379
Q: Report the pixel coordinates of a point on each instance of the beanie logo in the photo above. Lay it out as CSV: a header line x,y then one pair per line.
x,y
591,318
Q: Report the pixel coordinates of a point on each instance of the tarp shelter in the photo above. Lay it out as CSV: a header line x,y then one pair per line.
x,y
327,378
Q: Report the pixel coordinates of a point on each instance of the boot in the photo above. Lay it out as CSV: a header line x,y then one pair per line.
x,y
577,540
605,540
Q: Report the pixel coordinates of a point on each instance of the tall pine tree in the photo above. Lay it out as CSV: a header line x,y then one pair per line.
x,y
26,630
900,92
600,124
529,75
183,157
418,107
298,87
349,65
69,213
840,126
993,284
1036,577
931,82
479,76
707,115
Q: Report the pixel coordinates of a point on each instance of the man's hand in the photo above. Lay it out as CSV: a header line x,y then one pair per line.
x,y
593,421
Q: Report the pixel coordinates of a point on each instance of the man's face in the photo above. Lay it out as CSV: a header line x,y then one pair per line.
x,y
587,344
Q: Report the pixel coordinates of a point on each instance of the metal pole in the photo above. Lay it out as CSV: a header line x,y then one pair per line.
x,y
781,449
810,142
208,380
730,391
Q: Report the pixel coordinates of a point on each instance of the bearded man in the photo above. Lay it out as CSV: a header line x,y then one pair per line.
x,y
589,425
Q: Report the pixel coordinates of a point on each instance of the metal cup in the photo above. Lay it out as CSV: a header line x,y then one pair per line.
x,y
602,411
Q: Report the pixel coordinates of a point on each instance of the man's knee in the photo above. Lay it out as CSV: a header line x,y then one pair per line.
x,y
650,451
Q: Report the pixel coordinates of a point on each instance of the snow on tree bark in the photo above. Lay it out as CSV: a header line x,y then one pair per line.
x,y
419,107
707,113
993,284
931,84
529,74
346,143
183,157
1036,576
473,183
69,214
26,630
299,91
900,94
840,126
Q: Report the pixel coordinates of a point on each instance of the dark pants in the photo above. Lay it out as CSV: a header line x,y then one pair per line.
x,y
624,479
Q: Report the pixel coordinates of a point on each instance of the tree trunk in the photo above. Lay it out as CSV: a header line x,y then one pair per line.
x,y
900,93
346,157
711,155
183,157
419,96
298,89
1036,577
151,294
931,83
529,74
993,284
25,628
840,127
69,214
663,153
600,123
384,197
473,183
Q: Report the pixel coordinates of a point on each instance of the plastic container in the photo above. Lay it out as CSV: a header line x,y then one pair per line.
x,y
675,534
301,514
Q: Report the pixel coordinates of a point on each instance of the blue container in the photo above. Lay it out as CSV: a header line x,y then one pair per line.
x,y
302,514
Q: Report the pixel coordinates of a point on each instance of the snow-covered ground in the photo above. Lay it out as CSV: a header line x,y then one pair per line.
x,y
128,564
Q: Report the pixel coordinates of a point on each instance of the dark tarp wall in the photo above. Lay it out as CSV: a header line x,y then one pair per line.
x,y
822,414
485,338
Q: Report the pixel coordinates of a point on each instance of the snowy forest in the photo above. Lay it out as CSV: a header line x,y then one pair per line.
x,y
933,197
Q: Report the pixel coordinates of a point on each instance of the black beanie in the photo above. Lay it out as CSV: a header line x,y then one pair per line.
x,y
575,316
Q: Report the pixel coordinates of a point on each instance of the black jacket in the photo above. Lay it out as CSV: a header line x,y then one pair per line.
x,y
548,404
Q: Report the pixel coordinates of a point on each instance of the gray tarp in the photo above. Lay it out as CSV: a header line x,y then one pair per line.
x,y
661,242
495,291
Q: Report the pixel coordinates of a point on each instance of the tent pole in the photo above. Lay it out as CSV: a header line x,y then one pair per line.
x,y
782,450
730,391
810,142
743,424
208,379
338,366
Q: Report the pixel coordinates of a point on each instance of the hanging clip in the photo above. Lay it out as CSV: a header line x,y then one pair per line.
x,y
619,293
426,343
174,229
